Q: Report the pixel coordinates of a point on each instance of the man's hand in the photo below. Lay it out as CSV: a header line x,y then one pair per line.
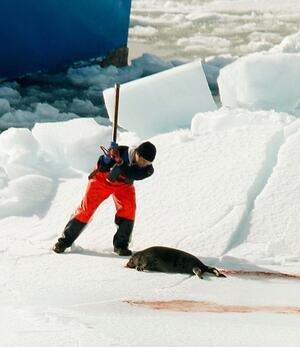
x,y
115,155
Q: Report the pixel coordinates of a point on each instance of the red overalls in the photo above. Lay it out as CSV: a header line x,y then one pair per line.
x,y
99,189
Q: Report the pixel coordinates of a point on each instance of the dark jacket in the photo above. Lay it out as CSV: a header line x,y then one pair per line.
x,y
129,171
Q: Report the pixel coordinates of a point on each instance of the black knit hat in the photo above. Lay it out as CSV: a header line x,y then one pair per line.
x,y
147,150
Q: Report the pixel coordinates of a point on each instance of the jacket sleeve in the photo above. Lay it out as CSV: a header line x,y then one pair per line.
x,y
136,173
104,165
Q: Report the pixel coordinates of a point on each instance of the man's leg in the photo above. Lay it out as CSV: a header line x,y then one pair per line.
x,y
97,190
124,199
123,235
72,230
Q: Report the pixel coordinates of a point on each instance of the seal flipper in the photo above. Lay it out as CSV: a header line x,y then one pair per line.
x,y
198,272
215,271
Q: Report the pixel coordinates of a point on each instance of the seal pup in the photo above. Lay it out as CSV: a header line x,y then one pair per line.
x,y
165,259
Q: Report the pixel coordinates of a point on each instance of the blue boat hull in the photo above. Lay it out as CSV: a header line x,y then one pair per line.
x,y
48,34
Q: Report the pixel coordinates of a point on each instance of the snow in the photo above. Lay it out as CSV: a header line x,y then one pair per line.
x,y
270,233
225,188
166,102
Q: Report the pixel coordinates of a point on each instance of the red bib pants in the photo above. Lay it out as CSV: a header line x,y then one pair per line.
x,y
99,189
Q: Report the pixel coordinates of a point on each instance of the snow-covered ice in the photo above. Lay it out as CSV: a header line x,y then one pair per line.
x,y
226,190
262,81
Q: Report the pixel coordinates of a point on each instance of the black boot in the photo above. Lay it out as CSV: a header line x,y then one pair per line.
x,y
122,236
72,230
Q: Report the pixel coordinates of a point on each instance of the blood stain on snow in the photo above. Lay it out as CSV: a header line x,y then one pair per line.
x,y
265,274
206,306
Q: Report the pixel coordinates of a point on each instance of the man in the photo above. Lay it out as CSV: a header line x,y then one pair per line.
x,y
114,175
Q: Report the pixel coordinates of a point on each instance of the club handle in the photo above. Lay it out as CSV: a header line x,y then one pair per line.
x,y
115,123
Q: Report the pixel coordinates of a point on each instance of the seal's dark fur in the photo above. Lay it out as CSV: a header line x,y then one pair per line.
x,y
165,259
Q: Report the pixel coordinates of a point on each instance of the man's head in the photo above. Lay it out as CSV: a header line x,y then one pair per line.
x,y
145,154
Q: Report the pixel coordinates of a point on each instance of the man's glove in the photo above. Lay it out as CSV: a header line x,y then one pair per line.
x,y
108,154
115,155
